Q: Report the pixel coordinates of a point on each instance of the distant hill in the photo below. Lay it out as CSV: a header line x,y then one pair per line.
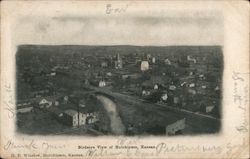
x,y
121,49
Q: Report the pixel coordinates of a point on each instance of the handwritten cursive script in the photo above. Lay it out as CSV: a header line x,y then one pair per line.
x,y
116,10
9,101
48,146
12,145
240,98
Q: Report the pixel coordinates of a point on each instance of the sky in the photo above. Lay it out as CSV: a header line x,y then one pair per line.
x,y
170,27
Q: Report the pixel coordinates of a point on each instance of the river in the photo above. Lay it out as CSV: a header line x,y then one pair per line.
x,y
116,124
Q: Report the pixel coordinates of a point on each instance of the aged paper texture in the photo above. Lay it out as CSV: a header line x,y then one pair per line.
x,y
124,79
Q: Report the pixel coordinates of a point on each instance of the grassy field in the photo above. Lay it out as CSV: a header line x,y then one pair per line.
x,y
148,118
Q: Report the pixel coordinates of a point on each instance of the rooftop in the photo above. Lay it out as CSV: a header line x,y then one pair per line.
x,y
48,98
70,112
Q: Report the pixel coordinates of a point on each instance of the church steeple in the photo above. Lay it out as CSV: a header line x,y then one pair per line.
x,y
118,62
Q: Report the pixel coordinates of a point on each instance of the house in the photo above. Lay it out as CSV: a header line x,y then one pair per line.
x,y
102,83
104,64
109,74
183,84
155,86
172,87
65,99
56,103
217,88
192,91
167,62
52,73
209,108
164,97
192,85
146,92
204,86
125,77
189,58
46,102
202,77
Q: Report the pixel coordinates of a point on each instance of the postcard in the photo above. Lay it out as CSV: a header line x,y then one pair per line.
x,y
124,79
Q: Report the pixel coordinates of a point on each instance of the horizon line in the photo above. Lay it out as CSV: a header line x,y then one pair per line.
x,y
113,45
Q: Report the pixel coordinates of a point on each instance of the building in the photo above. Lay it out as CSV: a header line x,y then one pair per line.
x,y
65,99
156,87
77,112
102,83
146,92
51,74
24,107
104,64
109,74
46,102
176,127
172,87
118,62
209,108
153,60
144,66
167,62
23,103
164,97
148,56
74,118
189,58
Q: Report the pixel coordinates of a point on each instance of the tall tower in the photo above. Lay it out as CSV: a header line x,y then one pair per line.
x,y
118,62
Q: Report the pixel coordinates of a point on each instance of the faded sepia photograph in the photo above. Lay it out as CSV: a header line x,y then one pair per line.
x,y
119,90
167,87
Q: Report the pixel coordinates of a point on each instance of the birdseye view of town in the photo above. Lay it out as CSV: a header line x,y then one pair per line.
x,y
118,90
